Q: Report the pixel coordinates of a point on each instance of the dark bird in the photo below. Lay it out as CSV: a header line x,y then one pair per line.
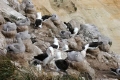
x,y
41,57
45,17
95,44
62,65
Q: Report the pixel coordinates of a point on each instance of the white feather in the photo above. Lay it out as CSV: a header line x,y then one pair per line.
x,y
76,30
38,67
39,16
83,52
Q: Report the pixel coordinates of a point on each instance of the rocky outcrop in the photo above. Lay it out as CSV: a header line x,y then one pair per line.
x,y
2,44
8,13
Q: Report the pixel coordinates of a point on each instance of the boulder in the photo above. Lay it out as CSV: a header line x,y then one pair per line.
x,y
82,66
14,4
89,32
2,20
9,13
2,44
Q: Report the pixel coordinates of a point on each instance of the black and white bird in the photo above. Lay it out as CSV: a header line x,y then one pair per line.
x,y
115,71
38,22
83,52
71,29
56,43
46,58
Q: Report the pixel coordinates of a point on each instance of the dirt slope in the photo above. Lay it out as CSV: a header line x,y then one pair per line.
x,y
103,13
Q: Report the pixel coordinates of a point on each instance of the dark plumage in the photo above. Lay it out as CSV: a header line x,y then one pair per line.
x,y
54,46
62,65
33,40
69,26
41,57
95,44
38,22
70,50
115,71
9,49
45,17
36,62
62,32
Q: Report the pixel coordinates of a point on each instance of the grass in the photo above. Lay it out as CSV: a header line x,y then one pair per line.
x,y
9,72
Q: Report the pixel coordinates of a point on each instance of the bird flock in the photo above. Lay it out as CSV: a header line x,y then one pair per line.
x,y
52,58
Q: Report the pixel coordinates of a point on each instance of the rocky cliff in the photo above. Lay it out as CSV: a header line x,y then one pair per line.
x,y
102,13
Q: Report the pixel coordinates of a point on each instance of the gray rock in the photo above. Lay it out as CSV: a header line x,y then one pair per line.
x,y
2,44
90,31
9,13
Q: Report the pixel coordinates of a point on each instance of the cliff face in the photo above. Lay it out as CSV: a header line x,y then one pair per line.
x,y
105,14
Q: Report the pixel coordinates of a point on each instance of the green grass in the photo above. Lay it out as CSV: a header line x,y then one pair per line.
x,y
9,72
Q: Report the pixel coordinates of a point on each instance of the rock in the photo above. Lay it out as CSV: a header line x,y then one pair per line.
x,y
29,10
9,13
90,31
75,43
32,17
27,43
49,24
2,20
82,66
2,44
42,45
14,4
72,43
92,34
94,52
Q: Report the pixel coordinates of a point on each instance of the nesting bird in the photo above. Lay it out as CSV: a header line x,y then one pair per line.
x,y
23,22
54,17
56,43
47,57
65,34
83,52
22,25
9,30
24,35
72,30
62,65
9,26
16,47
38,22
75,56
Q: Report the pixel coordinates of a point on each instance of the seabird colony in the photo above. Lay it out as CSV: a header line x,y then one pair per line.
x,y
19,30
51,56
